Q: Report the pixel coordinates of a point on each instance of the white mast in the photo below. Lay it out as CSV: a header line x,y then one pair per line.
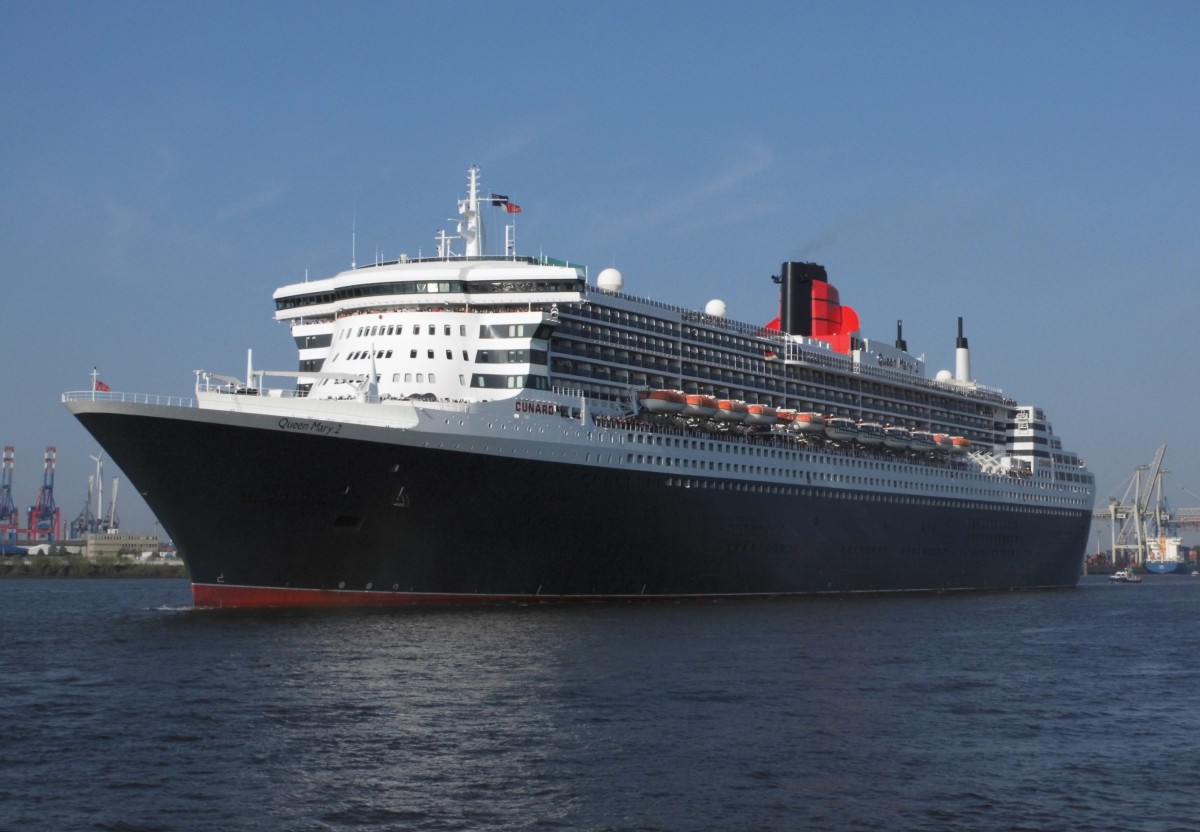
x,y
99,482
112,523
470,228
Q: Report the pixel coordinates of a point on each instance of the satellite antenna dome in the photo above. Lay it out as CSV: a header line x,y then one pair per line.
x,y
610,280
715,308
944,375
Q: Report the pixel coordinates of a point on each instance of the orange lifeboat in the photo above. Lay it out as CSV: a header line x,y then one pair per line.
x,y
662,401
702,407
808,422
731,410
761,414
959,444
942,441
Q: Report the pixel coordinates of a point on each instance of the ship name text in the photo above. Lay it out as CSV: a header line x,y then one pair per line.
x,y
311,426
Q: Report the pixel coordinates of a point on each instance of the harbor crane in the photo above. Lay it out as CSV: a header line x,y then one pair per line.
x,y
86,521
10,520
1143,513
44,517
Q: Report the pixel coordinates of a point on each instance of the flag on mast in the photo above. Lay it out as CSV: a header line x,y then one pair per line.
x,y
97,384
499,200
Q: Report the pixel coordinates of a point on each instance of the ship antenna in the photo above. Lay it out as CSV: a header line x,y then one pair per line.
x,y
353,234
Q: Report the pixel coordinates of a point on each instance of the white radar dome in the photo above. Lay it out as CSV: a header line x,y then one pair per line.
x,y
715,308
944,375
610,280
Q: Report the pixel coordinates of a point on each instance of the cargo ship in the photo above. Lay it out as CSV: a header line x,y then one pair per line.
x,y
477,428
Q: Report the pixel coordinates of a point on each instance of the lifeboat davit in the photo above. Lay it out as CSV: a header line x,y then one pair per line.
x,y
896,438
841,429
731,410
663,401
870,433
959,444
702,407
761,414
922,441
809,422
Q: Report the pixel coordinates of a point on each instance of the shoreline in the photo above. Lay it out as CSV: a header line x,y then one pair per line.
x,y
77,566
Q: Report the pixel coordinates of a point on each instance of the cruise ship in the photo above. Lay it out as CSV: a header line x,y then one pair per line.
x,y
480,428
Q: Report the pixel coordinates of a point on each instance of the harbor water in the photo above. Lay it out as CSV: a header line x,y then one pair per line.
x,y
123,708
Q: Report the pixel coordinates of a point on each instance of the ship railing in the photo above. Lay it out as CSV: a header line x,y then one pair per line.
x,y
128,398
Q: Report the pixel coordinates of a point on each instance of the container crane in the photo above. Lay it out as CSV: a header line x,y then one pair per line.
x,y
10,519
1143,513
44,518
86,521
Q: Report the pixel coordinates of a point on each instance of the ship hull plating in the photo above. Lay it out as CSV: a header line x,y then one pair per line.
x,y
265,517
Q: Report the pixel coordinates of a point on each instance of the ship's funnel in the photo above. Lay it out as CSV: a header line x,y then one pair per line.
x,y
796,296
962,356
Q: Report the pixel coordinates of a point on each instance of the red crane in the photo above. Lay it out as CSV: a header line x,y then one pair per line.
x,y
44,519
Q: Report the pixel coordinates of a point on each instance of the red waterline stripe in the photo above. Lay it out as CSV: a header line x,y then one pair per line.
x,y
229,596
257,597
224,595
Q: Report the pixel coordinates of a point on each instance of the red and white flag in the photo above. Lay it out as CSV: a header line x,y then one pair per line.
x,y
99,385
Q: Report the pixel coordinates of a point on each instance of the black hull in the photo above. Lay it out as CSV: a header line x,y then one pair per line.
x,y
255,511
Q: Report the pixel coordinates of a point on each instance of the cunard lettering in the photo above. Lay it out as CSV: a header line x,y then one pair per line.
x,y
545,408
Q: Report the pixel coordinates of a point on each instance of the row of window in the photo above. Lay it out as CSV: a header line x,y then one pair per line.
x,y
428,287
531,330
536,357
864,496
398,329
514,382
494,382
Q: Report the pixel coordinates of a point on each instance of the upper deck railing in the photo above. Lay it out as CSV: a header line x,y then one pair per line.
x,y
128,398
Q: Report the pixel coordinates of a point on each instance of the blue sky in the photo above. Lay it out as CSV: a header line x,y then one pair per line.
x,y
1031,167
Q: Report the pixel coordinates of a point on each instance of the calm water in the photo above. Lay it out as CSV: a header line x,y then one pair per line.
x,y
122,708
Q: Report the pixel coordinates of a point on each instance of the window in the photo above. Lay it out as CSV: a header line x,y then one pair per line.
x,y
447,330
412,353
429,353
420,378
416,329
408,377
432,379
450,354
